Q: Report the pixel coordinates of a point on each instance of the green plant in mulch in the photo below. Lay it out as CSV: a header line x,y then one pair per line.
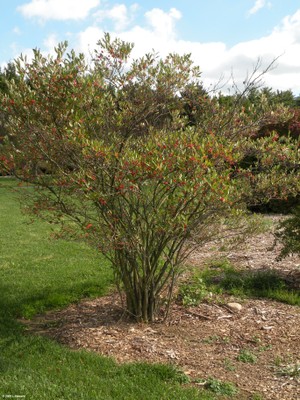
x,y
220,388
246,356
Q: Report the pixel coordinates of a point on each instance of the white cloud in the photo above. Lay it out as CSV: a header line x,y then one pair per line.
x,y
119,14
159,35
259,4
283,42
58,9
163,23
49,43
87,39
215,58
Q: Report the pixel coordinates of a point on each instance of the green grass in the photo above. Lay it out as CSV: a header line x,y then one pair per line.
x,y
193,292
221,277
291,370
286,366
38,274
41,369
220,388
246,356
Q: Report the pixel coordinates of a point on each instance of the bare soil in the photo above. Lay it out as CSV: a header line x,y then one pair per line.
x,y
204,341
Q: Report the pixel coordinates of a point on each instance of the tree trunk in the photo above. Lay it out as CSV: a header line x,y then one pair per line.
x,y
141,292
141,305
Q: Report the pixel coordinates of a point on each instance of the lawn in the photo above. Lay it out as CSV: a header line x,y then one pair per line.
x,y
39,274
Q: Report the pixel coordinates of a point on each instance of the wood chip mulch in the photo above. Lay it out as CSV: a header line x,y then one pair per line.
x,y
204,341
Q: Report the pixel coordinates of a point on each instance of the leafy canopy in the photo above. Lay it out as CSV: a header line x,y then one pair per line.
x,y
137,159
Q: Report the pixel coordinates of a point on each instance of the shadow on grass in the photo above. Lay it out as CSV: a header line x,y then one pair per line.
x,y
262,283
47,299
37,367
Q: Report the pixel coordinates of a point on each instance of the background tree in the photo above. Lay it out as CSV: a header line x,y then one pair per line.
x,y
288,233
115,159
7,75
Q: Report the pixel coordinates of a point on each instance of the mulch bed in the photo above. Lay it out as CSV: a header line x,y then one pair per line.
x,y
204,341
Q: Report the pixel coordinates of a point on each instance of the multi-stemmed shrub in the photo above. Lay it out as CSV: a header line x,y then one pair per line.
x,y
113,156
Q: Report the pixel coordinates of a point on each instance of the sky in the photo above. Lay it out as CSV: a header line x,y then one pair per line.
x,y
226,38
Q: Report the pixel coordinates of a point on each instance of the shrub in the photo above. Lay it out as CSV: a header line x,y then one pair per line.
x,y
114,159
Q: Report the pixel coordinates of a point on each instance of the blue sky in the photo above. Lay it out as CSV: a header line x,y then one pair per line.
x,y
225,37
